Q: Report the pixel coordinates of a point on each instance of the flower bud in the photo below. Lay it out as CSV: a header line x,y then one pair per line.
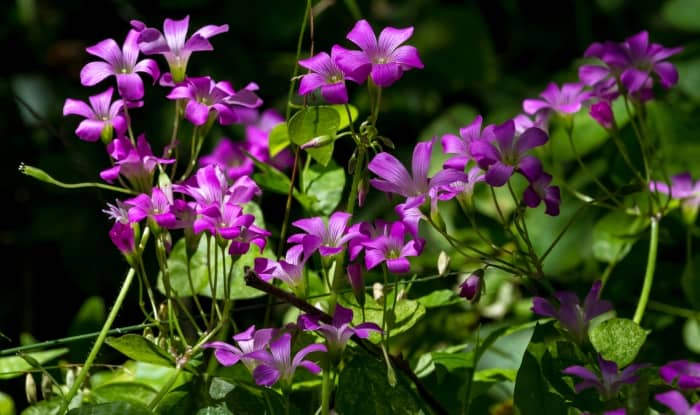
x,y
46,386
357,282
319,141
472,287
30,389
602,113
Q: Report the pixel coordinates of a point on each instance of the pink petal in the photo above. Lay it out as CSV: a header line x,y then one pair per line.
x,y
391,38
95,72
385,74
75,107
363,36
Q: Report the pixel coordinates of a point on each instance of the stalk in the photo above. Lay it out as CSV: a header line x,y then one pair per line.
x,y
649,274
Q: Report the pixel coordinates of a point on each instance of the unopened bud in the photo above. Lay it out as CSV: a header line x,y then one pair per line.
x,y
602,113
472,287
319,141
436,218
46,386
30,389
70,377
387,142
443,263
357,282
107,133
377,291
362,190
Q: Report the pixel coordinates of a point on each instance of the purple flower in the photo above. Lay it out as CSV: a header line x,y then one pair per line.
x,y
602,113
248,341
500,153
257,134
204,95
339,331
357,281
460,145
329,240
277,364
572,317
394,178
610,380
327,75
632,61
289,270
392,250
122,64
119,212
686,374
682,188
156,206
565,101
211,191
136,164
472,287
172,44
225,222
462,189
384,59
122,235
677,402
231,157
540,190
101,116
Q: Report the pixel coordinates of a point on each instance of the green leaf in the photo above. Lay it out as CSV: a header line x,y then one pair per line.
x,y
343,114
689,76
325,186
200,271
682,14
405,315
139,348
269,178
215,410
112,408
312,122
278,139
614,235
363,389
494,375
588,135
618,340
454,361
15,366
690,281
440,298
253,400
124,391
49,407
691,334
7,405
218,388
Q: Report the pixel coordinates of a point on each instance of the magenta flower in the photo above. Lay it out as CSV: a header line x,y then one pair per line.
x,y
211,191
122,235
204,95
327,75
339,331
392,250
460,145
500,153
102,116
384,58
231,157
462,189
675,401
572,317
539,190
602,113
225,222
610,380
632,61
681,372
122,63
257,135
277,364
172,44
248,341
136,164
156,206
565,101
289,270
682,188
118,212
330,239
394,178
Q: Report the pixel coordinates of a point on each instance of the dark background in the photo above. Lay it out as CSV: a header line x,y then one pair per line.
x,y
54,244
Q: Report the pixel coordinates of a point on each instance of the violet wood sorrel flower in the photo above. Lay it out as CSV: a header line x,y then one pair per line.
x,y
122,235
681,373
383,59
122,63
500,152
173,44
683,189
277,364
326,75
156,206
339,331
539,190
102,117
633,62
392,250
460,145
136,164
565,101
289,270
675,401
609,382
328,239
231,157
248,341
473,286
204,95
572,317
602,113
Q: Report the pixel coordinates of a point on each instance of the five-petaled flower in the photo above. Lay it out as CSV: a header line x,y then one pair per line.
x,y
683,373
383,59
572,317
339,331
565,101
248,341
327,75
609,382
102,117
328,239
122,63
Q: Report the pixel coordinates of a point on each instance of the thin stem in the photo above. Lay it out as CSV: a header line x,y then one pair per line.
x,y
295,72
288,205
326,389
41,175
649,274
103,333
673,310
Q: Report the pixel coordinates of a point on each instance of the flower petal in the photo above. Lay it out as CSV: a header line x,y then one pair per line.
x,y
363,36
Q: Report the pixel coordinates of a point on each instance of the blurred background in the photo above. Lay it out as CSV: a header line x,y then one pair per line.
x,y
481,57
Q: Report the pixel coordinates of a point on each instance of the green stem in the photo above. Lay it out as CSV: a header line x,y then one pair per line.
x,y
649,274
165,389
46,178
103,333
295,72
326,389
